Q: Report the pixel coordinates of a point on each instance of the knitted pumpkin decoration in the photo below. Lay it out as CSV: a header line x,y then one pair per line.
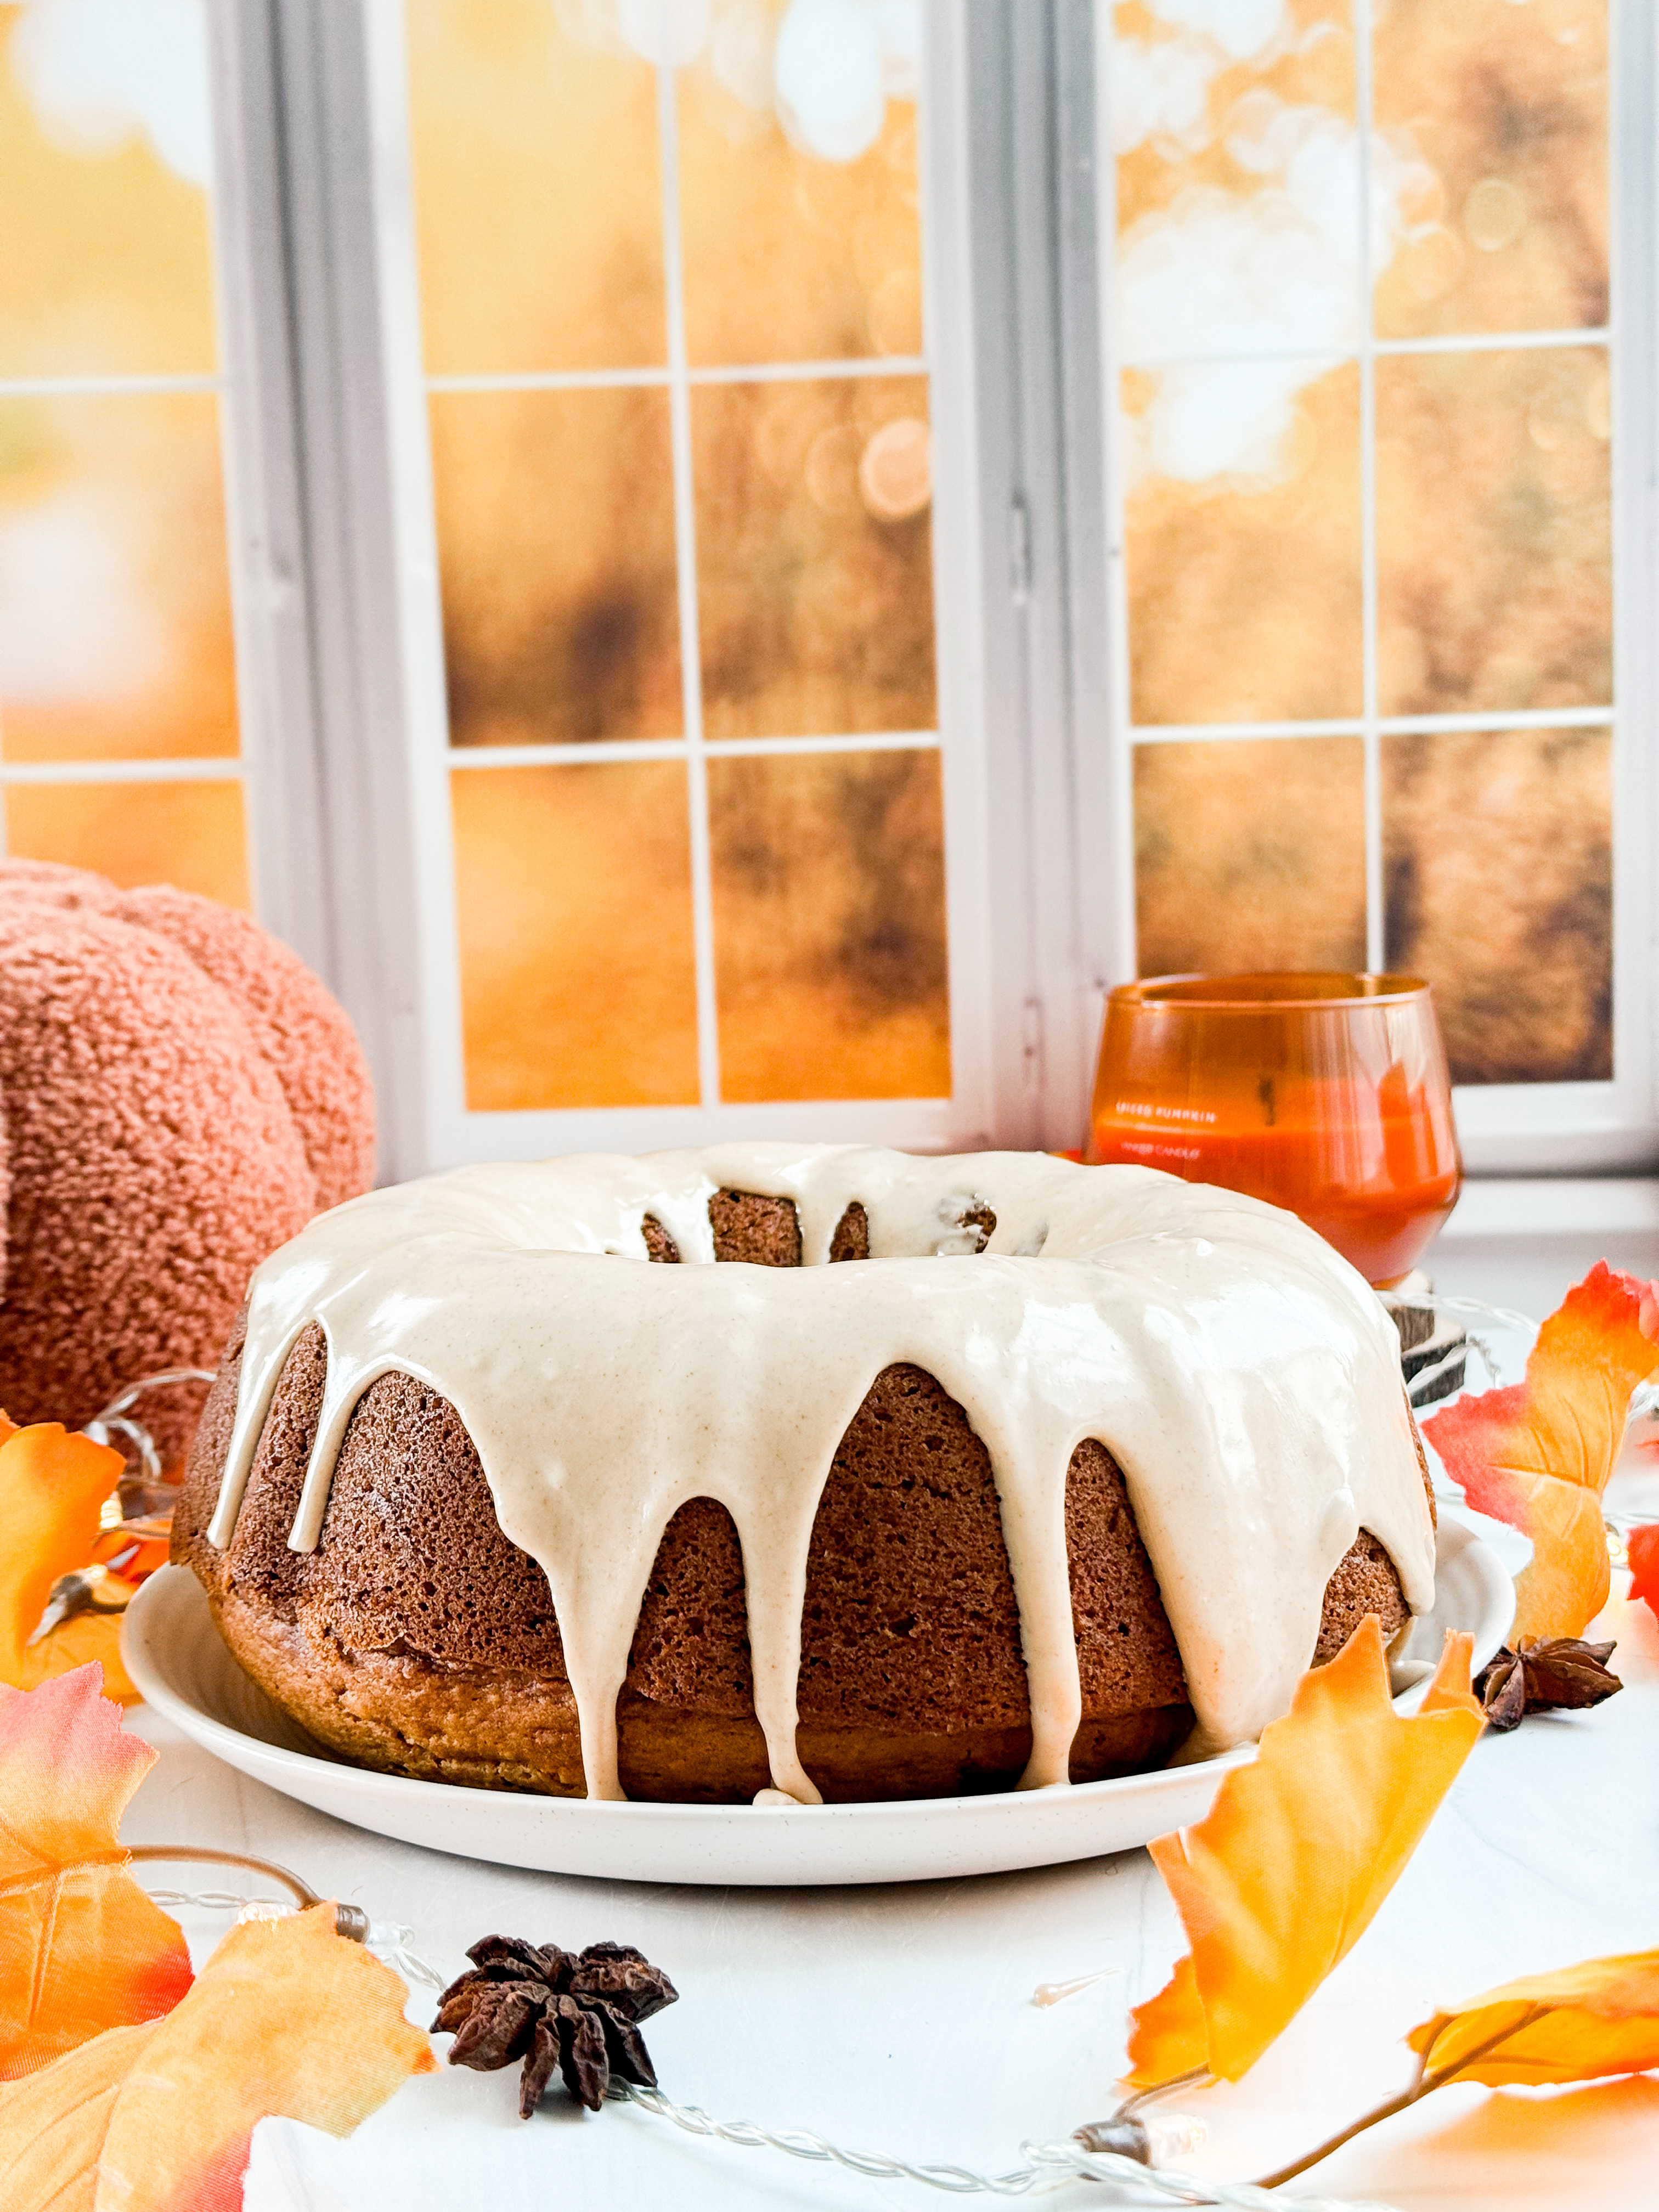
x,y
178,1095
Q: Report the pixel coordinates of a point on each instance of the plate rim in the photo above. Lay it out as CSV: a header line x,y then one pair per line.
x,y
156,1596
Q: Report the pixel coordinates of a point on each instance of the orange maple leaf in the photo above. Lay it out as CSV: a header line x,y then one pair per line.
x,y
1538,1454
1283,1874
82,1946
286,2018
1641,1548
51,1485
1598,2018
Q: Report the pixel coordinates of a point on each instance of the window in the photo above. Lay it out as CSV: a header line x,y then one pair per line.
x,y
661,307
779,547
1383,395
119,713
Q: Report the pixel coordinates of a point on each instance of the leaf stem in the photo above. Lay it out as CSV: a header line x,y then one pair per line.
x,y
1383,2112
1420,2087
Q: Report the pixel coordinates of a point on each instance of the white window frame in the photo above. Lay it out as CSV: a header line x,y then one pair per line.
x,y
312,557
1503,1128
964,1119
338,628
326,593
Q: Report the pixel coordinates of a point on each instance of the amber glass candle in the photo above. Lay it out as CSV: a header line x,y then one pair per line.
x,y
1327,1093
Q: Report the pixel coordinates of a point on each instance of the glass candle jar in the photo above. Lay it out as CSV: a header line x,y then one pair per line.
x,y
1325,1093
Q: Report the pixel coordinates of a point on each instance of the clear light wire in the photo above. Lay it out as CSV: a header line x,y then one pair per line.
x,y
1044,2167
390,1940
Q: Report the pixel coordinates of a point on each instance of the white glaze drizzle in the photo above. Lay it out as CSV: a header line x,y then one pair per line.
x,y
1241,1374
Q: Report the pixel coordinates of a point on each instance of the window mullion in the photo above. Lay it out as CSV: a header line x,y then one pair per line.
x,y
685,547
264,509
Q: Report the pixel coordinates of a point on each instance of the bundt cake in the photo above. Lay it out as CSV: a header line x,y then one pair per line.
x,y
1063,1470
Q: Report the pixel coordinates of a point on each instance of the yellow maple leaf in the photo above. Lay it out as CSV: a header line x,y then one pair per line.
x,y
82,1947
52,1484
1597,2018
1538,1454
1281,1877
287,2017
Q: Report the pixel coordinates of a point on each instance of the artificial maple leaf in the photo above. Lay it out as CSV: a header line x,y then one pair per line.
x,y
82,1947
1642,1549
1538,1454
51,1485
1598,2018
1283,1874
286,2018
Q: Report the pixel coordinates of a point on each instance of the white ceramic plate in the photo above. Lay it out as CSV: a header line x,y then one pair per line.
x,y
175,1655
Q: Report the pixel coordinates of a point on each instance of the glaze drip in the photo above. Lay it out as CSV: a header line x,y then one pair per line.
x,y
1243,1376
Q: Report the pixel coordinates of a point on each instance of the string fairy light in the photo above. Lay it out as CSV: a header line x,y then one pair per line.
x,y
1122,2155
1130,2181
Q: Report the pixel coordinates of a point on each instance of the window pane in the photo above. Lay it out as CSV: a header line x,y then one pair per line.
x,y
1253,411
106,153
544,220
1254,101
574,886
555,537
800,208
1237,294
115,627
1242,529
1251,853
539,192
1492,174
1494,547
1498,856
814,560
188,835
830,925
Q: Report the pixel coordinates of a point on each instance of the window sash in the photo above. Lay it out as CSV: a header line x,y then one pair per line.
x,y
452,1132
1510,1127
257,477
353,775
345,754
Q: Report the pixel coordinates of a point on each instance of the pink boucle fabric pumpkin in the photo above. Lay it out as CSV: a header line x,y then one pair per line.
x,y
178,1095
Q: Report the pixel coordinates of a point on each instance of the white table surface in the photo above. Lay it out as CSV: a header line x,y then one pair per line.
x,y
900,2019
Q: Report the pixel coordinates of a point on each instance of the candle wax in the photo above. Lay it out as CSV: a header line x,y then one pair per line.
x,y
1376,1183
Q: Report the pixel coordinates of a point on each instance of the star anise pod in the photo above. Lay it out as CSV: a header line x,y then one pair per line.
x,y
578,2011
1545,1673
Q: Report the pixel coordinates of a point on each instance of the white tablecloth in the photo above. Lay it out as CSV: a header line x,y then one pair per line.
x,y
900,2019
